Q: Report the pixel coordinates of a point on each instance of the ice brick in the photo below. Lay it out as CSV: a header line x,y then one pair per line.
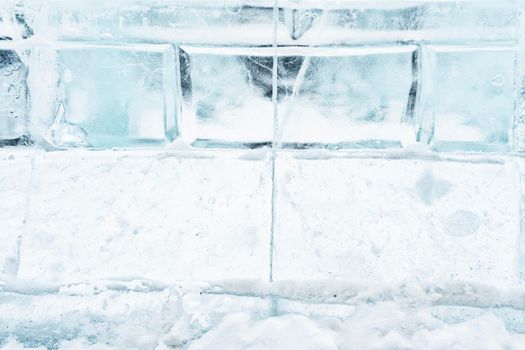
x,y
356,22
381,220
15,177
112,96
17,19
153,215
227,95
177,21
353,97
468,97
13,94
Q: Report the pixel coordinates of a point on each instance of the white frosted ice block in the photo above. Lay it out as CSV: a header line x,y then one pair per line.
x,y
15,177
227,95
468,97
109,96
393,220
153,215
350,97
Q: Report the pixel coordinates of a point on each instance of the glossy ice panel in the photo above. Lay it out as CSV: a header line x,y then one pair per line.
x,y
176,21
14,93
110,96
468,97
347,97
227,95
345,22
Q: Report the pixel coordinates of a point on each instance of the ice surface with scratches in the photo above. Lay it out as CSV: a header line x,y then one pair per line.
x,y
360,97
366,216
228,94
13,95
262,174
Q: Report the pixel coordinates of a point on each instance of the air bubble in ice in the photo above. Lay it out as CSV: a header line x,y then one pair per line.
x,y
463,223
498,80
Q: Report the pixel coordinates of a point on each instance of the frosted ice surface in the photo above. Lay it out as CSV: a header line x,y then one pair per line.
x,y
111,96
373,220
15,174
357,97
161,217
163,248
460,90
468,97
228,95
13,95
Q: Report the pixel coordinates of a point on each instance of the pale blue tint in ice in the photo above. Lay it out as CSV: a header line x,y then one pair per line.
x,y
13,95
469,97
461,97
357,97
115,96
360,22
227,95
175,21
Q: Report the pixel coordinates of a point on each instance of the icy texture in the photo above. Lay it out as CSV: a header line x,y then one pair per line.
x,y
162,318
113,96
125,315
17,19
182,222
181,21
315,22
13,95
469,97
228,95
358,222
465,89
330,74
366,216
355,97
15,176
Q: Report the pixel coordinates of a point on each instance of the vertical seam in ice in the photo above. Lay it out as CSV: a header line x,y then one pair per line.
x,y
518,142
272,303
298,82
521,223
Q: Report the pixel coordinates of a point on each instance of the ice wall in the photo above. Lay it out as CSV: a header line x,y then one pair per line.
x,y
173,171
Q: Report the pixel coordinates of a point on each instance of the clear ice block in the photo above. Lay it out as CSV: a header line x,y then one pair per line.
x,y
313,22
13,95
175,21
113,96
349,97
227,95
16,20
468,97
